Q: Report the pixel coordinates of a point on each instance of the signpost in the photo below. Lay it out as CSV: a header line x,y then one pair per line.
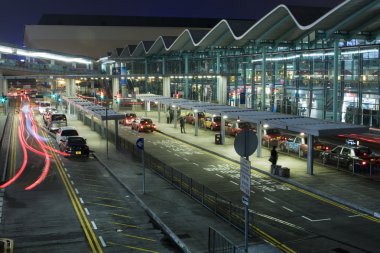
x,y
140,145
245,144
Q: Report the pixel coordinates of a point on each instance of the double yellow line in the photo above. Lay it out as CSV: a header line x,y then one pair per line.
x,y
90,235
8,245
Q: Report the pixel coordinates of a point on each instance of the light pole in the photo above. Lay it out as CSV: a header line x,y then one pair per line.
x,y
107,129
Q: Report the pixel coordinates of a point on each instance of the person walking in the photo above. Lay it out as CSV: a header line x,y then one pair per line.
x,y
273,156
167,116
182,124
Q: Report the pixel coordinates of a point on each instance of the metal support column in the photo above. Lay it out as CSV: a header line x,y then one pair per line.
x,y
259,131
335,80
186,93
222,129
263,80
310,154
116,134
196,122
159,111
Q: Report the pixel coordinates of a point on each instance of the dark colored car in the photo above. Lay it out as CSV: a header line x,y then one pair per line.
x,y
351,157
143,125
129,118
190,117
235,127
75,146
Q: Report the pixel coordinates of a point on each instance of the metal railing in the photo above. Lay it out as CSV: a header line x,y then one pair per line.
x,y
218,243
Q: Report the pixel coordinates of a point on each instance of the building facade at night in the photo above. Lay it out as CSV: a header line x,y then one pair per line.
x,y
301,61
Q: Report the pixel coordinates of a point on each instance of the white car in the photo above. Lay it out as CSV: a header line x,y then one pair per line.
x,y
64,132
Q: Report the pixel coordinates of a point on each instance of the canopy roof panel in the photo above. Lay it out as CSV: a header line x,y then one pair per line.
x,y
281,24
316,127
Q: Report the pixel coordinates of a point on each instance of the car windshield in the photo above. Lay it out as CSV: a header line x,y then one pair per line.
x,y
362,151
217,119
69,133
130,115
273,131
76,141
146,121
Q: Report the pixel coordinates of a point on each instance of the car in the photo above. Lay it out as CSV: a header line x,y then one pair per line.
x,y
129,118
64,132
143,125
212,123
271,137
235,127
56,121
75,146
47,114
42,105
190,117
298,144
352,157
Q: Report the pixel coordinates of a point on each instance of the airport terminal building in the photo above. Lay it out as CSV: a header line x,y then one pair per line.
x,y
320,63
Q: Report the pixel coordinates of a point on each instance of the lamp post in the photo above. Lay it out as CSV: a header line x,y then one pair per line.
x,y
107,129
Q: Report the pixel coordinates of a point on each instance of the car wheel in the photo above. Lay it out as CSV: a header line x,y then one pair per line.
x,y
350,166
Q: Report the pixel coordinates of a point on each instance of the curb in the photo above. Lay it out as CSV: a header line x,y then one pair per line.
x,y
160,223
299,185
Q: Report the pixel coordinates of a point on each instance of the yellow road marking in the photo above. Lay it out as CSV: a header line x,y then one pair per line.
x,y
100,204
125,225
139,237
131,247
8,245
120,215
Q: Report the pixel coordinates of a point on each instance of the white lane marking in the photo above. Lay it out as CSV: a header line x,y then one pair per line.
x,y
68,175
269,200
86,210
81,200
219,175
253,192
196,164
94,225
63,164
72,182
315,220
76,190
356,215
290,210
185,159
65,169
176,155
234,182
102,242
169,151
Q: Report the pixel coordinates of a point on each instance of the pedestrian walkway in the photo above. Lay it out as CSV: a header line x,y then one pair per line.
x,y
352,190
185,220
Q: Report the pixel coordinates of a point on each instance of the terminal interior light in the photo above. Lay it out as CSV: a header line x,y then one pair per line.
x,y
265,125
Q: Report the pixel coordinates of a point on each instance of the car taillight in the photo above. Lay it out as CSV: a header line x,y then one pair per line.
x,y
141,127
327,148
364,162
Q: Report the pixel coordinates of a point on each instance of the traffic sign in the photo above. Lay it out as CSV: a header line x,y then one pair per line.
x,y
140,143
245,200
245,176
245,143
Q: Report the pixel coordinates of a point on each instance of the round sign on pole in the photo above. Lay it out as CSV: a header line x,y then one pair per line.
x,y
245,143
140,143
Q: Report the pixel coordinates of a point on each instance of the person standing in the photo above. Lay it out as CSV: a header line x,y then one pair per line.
x,y
167,116
273,156
182,124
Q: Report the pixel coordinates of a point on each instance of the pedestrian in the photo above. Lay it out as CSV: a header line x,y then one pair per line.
x,y
273,156
182,124
171,112
167,116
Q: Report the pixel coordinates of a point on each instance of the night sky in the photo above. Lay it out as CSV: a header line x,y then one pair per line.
x,y
17,13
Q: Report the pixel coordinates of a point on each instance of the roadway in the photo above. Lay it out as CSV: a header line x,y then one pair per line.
x,y
76,206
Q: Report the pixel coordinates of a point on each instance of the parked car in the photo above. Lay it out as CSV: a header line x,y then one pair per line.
x,y
143,125
75,146
129,118
47,114
56,121
271,137
235,127
212,123
351,157
64,132
190,117
298,144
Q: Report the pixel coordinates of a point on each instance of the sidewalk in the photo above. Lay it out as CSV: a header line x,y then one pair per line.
x,y
352,190
182,218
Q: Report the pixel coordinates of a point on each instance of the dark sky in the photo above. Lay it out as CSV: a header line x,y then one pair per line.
x,y
15,14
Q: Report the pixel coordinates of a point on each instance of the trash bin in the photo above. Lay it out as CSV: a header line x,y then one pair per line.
x,y
218,139
284,172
